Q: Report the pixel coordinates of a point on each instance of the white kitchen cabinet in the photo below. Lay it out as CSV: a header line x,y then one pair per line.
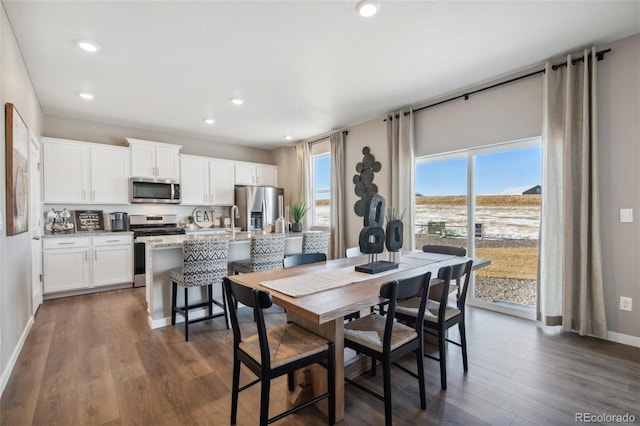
x,y
82,263
255,174
66,264
206,181
85,173
154,159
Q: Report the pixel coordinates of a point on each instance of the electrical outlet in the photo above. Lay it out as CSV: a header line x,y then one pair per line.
x,y
625,303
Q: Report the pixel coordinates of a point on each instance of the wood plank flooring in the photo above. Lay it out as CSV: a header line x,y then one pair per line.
x,y
93,360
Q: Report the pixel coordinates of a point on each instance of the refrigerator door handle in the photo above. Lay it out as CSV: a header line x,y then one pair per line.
x,y
265,213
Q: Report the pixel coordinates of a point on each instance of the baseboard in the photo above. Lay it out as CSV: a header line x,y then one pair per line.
x,y
193,314
625,339
14,356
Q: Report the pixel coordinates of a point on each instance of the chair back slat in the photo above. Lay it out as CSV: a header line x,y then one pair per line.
x,y
304,259
455,251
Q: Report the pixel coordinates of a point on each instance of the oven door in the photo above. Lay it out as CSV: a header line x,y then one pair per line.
x,y
164,191
139,266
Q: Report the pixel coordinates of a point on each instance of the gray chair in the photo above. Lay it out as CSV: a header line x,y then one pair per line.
x,y
303,259
386,340
266,253
440,316
204,263
316,242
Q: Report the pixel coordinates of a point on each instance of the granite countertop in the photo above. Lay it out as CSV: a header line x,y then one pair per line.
x,y
168,241
83,234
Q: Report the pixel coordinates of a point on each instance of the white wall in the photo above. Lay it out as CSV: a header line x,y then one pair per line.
x,y
15,251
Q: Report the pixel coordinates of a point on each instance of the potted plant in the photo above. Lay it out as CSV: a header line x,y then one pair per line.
x,y
298,210
192,223
394,232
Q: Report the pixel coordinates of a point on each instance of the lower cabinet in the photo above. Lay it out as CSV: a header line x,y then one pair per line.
x,y
79,263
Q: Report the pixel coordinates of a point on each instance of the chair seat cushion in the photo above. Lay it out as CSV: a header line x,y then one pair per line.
x,y
287,343
205,278
369,332
410,308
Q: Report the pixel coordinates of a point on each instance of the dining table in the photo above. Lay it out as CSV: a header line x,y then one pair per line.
x,y
317,296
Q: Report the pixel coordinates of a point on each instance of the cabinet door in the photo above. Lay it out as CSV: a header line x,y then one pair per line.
x,y
167,163
245,173
112,265
143,160
221,182
194,183
110,175
66,269
66,173
266,174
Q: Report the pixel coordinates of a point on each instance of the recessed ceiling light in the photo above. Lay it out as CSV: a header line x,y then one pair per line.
x,y
367,8
288,137
86,96
88,46
237,101
209,121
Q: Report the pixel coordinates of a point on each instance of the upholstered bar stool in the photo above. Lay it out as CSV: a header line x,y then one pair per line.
x,y
204,263
267,252
315,242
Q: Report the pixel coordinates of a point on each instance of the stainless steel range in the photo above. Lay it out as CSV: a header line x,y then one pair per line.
x,y
149,226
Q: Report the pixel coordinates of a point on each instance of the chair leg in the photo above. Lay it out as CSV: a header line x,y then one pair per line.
x,y
234,390
265,388
373,367
463,344
290,382
420,361
443,359
331,383
386,373
174,302
224,308
210,292
186,314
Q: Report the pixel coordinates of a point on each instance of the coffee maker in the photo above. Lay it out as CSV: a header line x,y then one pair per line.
x,y
119,221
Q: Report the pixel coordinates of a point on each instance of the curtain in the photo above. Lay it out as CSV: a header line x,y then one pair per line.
x,y
400,135
570,257
304,179
337,215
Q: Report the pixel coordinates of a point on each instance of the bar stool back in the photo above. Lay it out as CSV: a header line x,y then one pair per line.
x,y
267,252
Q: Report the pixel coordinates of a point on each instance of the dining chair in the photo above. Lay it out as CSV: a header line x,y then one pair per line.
x,y
386,340
266,252
204,263
316,242
440,316
353,252
303,259
455,251
275,352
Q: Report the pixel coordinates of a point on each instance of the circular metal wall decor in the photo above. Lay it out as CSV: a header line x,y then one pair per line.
x,y
363,181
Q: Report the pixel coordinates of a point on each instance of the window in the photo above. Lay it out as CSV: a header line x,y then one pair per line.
x,y
321,189
487,200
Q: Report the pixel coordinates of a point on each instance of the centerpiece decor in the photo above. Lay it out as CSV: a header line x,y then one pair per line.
x,y
395,229
298,210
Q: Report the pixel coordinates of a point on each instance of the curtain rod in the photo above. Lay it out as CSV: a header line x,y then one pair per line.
x,y
325,136
599,55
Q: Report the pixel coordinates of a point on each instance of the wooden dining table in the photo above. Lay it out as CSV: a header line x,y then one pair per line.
x,y
322,310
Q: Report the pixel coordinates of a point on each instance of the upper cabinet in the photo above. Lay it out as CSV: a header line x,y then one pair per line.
x,y
85,173
255,174
206,181
154,159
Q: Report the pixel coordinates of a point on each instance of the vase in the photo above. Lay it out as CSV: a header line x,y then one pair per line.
x,y
296,227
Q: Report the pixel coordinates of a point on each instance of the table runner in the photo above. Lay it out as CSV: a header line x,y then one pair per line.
x,y
315,282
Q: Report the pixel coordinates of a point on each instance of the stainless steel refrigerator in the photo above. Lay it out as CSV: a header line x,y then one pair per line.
x,y
258,206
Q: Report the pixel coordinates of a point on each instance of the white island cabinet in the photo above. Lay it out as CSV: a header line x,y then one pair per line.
x,y
206,181
85,173
76,264
154,159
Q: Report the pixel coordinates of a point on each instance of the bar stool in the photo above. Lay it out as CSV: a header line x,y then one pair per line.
x,y
267,252
204,263
315,242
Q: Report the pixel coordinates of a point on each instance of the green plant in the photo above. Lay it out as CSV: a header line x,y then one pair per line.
x,y
394,214
298,210
190,219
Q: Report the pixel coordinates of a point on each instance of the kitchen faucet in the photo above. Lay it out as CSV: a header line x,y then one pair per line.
x,y
233,220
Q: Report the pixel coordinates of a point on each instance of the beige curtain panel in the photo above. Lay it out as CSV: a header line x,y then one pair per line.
x,y
571,264
338,213
304,179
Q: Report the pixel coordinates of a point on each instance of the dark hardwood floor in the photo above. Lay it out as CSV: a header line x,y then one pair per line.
x,y
93,360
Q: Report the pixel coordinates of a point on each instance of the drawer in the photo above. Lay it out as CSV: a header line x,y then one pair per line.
x,y
112,240
64,242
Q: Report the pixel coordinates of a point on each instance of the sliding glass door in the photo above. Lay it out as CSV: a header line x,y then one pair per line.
x,y
488,201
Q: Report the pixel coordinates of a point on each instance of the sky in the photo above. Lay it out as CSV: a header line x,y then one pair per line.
x,y
496,173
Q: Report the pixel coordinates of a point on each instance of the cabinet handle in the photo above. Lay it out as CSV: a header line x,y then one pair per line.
x,y
83,194
95,254
93,195
258,180
85,256
112,241
64,244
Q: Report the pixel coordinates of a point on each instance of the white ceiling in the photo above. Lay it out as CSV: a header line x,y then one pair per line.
x,y
304,67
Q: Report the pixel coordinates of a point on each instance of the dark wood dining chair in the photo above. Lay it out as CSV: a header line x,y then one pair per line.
x,y
440,316
386,340
455,251
274,352
303,259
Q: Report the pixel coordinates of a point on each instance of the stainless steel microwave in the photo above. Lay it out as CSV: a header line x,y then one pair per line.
x,y
150,190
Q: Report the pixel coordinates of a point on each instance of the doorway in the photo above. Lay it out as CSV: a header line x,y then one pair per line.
x,y
35,222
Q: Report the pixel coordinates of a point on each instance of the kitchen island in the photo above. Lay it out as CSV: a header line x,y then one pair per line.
x,y
163,253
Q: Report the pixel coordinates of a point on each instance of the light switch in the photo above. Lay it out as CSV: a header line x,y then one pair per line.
x,y
626,215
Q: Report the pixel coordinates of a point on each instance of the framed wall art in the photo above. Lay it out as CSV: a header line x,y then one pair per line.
x,y
17,171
